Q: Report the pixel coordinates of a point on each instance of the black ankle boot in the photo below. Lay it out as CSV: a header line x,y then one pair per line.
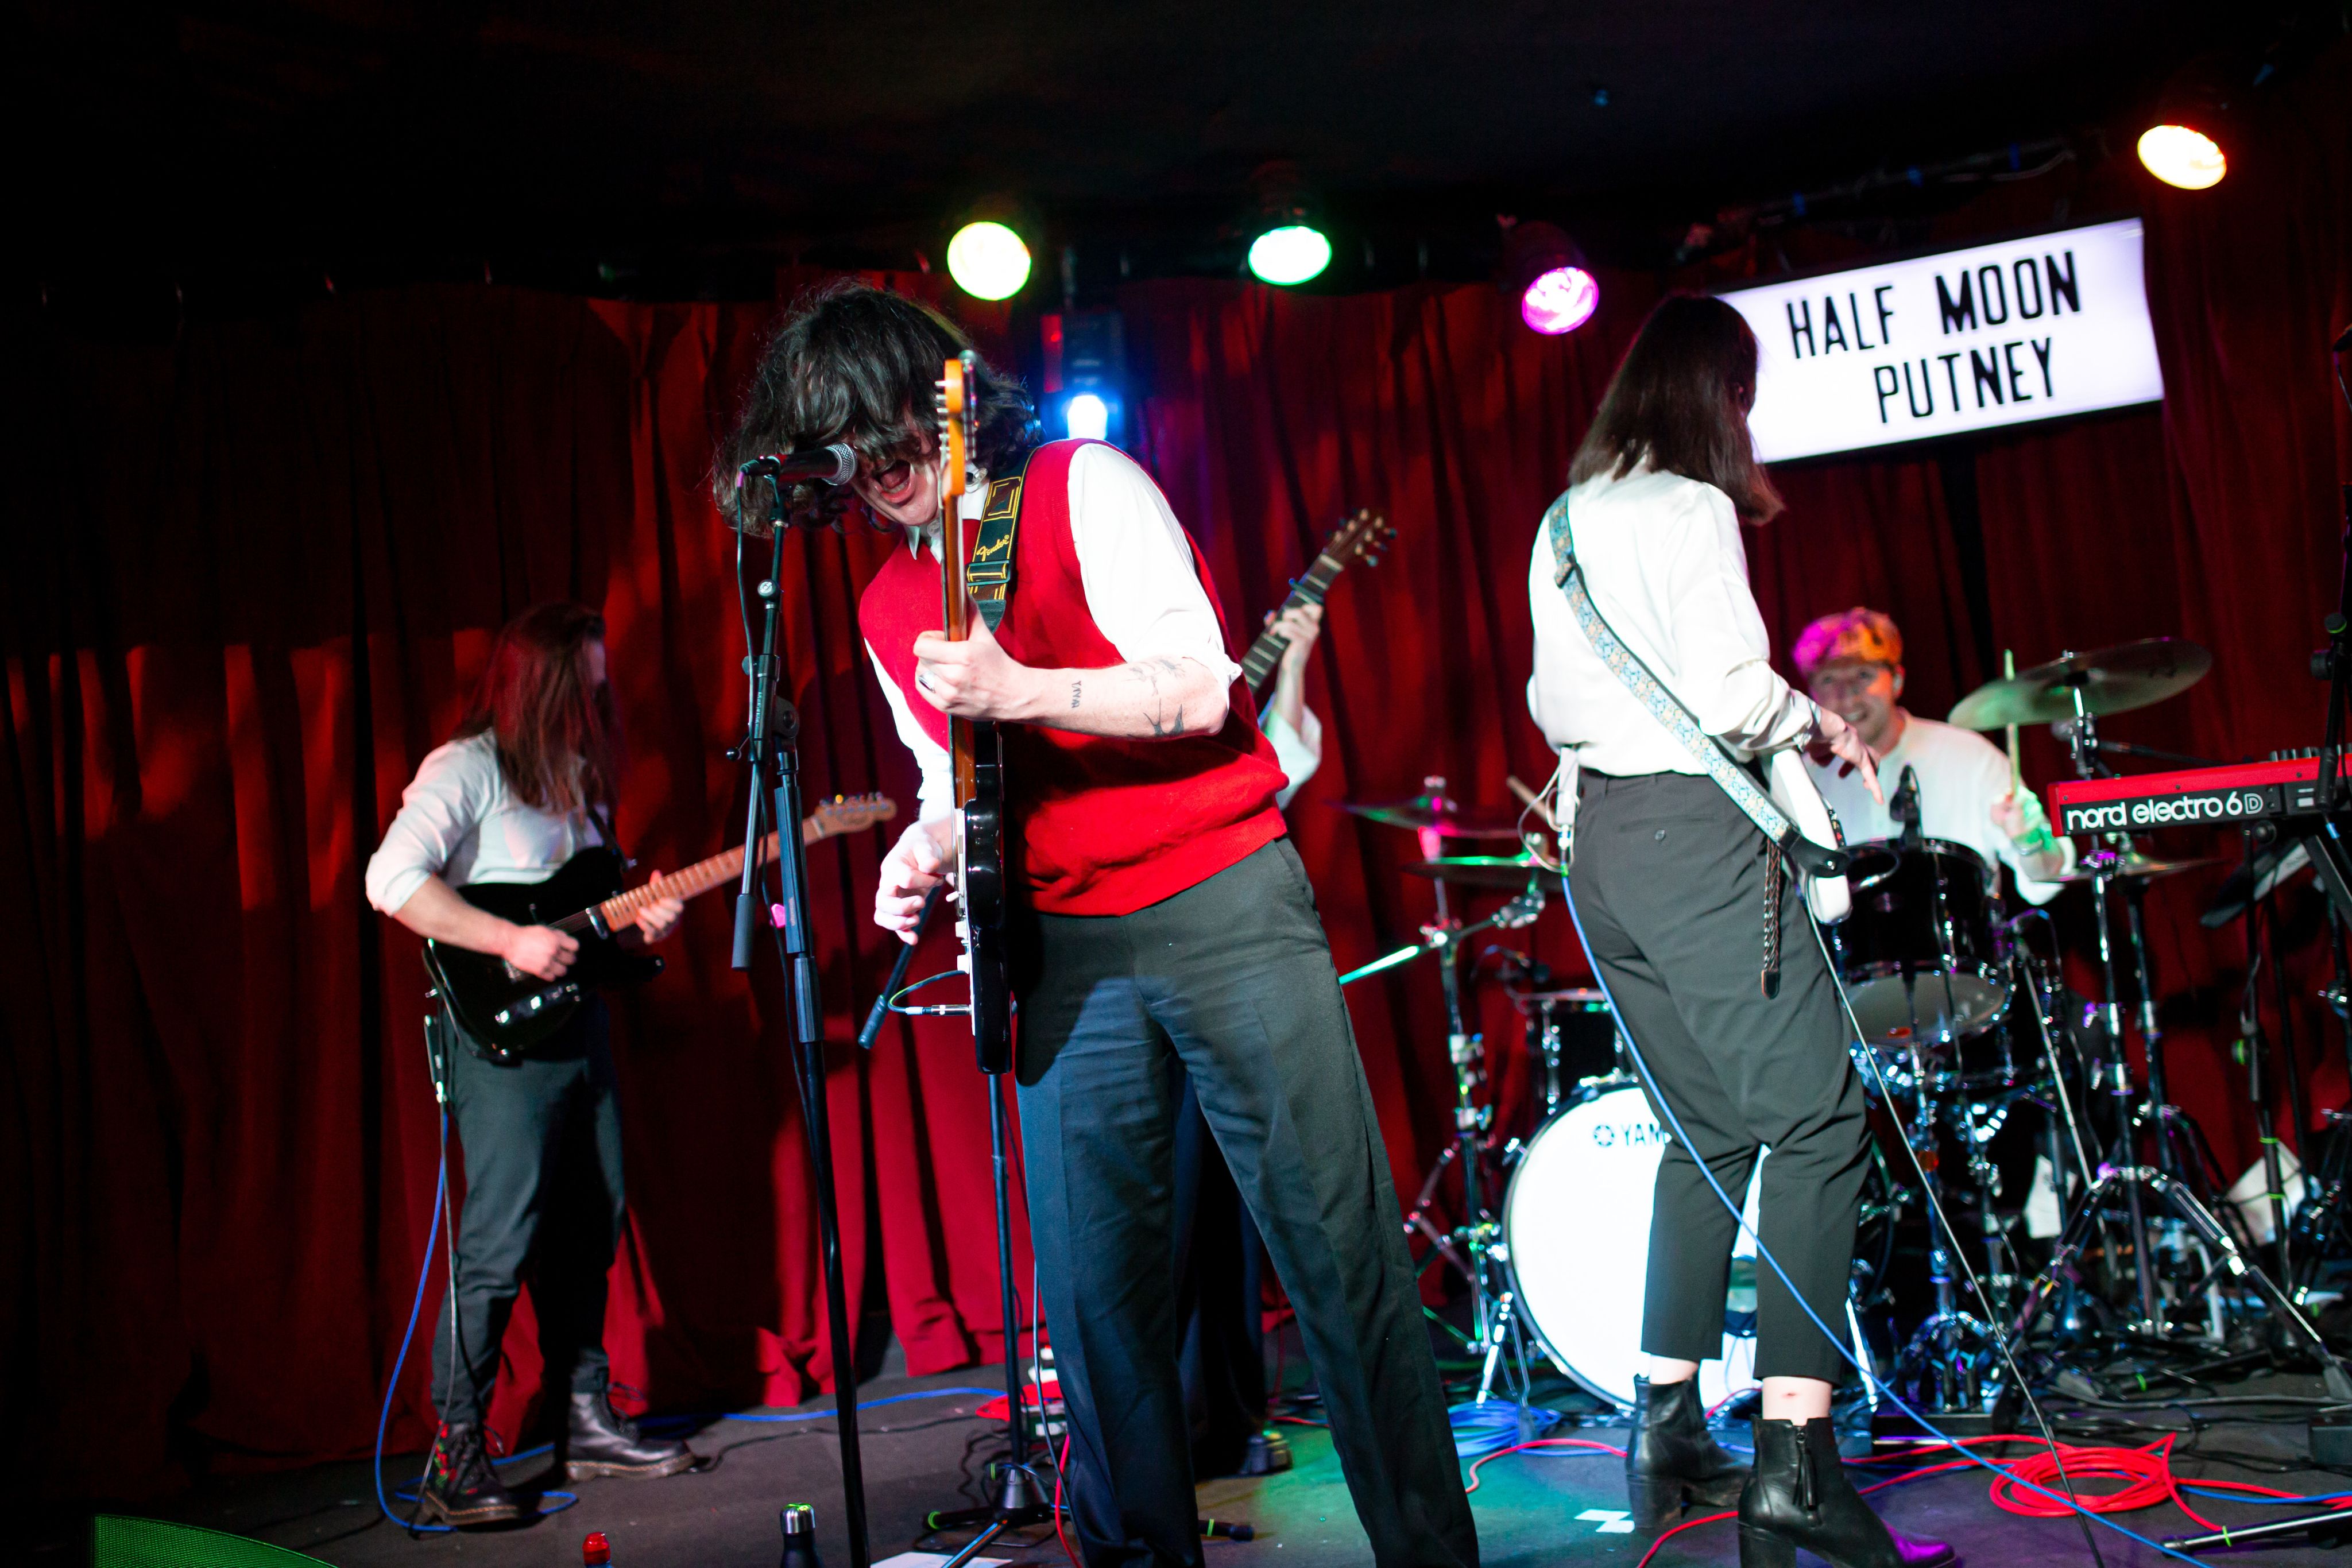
x,y
601,1441
1800,1496
1670,1458
460,1488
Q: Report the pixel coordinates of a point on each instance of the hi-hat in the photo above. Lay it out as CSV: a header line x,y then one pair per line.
x,y
2131,863
2108,680
1434,812
1509,873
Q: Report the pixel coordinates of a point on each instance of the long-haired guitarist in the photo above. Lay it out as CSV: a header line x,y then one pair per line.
x,y
1667,880
527,782
1166,914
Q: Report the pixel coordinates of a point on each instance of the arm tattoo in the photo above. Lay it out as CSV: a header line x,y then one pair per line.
x,y
1075,688
1150,670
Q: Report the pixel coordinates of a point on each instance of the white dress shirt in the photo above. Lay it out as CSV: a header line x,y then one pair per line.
x,y
1961,776
1136,566
1662,558
1298,751
458,820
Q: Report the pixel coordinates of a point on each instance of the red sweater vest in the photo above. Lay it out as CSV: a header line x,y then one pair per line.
x,y
1102,826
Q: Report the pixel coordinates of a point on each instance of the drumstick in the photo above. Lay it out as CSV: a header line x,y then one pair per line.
x,y
2016,774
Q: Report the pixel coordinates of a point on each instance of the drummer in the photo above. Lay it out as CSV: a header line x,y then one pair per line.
x,y
1852,664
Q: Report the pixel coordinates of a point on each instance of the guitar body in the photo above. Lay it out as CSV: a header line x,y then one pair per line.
x,y
986,895
507,1013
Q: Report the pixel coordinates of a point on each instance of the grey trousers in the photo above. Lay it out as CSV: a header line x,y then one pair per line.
x,y
1233,978
542,1145
1668,885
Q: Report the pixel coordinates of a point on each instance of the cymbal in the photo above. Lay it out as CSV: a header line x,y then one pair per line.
x,y
2131,863
1437,813
2111,680
1508,873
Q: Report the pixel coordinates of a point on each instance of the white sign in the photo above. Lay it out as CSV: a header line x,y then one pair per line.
x,y
1941,345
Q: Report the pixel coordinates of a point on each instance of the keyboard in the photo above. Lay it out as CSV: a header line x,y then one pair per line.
x,y
2223,797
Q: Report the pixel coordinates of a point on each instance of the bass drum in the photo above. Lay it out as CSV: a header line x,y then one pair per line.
x,y
1575,1218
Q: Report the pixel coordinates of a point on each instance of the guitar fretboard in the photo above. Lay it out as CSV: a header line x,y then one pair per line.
x,y
623,909
1266,652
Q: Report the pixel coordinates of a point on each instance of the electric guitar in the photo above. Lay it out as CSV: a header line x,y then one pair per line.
x,y
507,1012
1359,538
976,747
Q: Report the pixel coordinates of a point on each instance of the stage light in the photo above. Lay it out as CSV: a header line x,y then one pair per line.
x,y
1291,253
1547,274
988,261
2183,156
1088,417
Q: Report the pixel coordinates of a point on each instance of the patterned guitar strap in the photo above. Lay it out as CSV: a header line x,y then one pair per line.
x,y
1668,710
990,575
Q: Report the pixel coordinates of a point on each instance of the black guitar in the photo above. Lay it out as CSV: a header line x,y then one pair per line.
x,y
977,749
508,1012
1359,538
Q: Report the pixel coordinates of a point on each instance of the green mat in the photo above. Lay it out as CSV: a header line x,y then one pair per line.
x,y
123,1543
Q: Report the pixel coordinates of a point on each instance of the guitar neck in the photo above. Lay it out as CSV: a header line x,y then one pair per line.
x,y
623,909
1265,654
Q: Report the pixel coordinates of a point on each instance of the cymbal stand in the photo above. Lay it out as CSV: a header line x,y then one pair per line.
x,y
1474,1247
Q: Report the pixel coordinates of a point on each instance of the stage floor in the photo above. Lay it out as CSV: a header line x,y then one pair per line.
x,y
1534,1507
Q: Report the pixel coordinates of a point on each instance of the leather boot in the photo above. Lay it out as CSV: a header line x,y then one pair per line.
x,y
1672,1459
1800,1496
460,1488
601,1441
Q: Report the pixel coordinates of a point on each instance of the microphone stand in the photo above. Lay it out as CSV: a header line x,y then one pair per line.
x,y
770,749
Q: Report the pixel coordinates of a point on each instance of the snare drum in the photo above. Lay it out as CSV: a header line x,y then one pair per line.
x,y
1924,954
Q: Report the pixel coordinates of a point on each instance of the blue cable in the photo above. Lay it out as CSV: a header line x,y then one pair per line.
x,y
1490,1428
1674,1125
415,1308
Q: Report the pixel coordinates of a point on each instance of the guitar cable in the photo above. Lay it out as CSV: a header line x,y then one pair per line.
x,y
2018,1484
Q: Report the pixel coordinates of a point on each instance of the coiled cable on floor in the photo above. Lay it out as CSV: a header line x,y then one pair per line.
x,y
1480,1429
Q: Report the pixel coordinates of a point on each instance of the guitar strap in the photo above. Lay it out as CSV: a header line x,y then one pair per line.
x,y
1781,836
990,575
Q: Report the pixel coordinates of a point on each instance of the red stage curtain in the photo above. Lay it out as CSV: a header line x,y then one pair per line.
x,y
250,572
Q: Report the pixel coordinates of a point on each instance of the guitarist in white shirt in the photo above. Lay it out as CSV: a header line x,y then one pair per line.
x,y
1667,880
528,782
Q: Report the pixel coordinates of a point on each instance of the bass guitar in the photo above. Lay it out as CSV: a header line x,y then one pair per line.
x,y
507,1012
1359,538
976,747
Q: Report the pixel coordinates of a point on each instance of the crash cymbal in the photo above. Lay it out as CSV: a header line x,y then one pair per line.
x,y
1508,873
2131,863
2111,680
1432,809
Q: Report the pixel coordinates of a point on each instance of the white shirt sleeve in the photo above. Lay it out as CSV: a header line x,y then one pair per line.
x,y
1736,693
1299,752
1136,565
935,797
442,806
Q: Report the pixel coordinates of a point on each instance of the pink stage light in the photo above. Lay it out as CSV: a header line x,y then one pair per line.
x,y
1559,300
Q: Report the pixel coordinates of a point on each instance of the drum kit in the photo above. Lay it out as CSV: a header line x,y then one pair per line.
x,y
1963,1023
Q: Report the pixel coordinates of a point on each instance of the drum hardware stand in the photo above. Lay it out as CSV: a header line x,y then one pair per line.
x,y
1933,1365
1473,1246
769,750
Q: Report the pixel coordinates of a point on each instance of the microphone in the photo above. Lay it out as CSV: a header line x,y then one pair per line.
x,y
1904,808
833,465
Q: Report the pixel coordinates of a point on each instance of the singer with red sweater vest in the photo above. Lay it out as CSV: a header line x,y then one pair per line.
x,y
1164,915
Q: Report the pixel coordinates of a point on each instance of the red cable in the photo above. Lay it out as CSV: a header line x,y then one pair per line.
x,y
1536,1442
1058,1466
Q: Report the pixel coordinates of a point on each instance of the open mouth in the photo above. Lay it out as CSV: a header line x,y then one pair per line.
x,y
895,484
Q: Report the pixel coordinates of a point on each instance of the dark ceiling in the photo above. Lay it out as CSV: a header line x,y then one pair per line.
x,y
709,139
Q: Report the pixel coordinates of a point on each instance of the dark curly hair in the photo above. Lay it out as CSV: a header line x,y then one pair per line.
x,y
852,362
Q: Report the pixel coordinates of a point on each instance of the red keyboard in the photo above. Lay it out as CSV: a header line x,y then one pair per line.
x,y
2196,796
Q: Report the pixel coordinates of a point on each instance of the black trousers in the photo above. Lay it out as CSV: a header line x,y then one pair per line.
x,y
542,1139
1233,979
1668,886
1219,1284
